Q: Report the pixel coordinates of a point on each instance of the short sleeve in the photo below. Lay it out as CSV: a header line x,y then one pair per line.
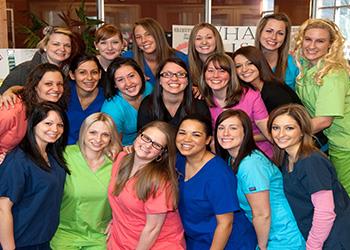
x,y
331,96
259,108
12,177
254,177
110,108
161,202
221,192
315,174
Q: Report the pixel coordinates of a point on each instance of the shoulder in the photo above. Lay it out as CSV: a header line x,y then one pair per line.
x,y
181,55
128,54
218,168
254,162
314,160
148,88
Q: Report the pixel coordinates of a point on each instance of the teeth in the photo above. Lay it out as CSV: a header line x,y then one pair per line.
x,y
186,146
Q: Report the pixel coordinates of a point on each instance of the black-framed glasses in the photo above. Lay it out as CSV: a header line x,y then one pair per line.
x,y
154,144
169,75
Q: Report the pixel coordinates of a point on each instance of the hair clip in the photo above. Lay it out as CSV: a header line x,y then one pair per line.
x,y
47,30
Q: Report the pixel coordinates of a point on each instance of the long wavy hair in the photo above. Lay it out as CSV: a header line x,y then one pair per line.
x,y
163,49
114,145
303,119
248,143
282,60
157,174
333,60
29,144
234,90
194,60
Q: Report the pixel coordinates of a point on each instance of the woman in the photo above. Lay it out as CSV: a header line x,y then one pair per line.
x,y
204,40
260,187
86,94
320,204
45,83
208,204
253,70
31,182
221,90
272,38
143,194
58,46
150,47
126,87
324,88
85,211
172,97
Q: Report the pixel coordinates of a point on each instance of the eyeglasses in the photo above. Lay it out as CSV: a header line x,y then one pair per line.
x,y
154,144
169,75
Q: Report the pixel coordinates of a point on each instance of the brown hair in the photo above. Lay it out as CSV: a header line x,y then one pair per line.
x,y
302,117
106,31
282,61
157,174
234,90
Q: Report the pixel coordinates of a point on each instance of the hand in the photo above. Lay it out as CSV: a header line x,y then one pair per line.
x,y
128,149
2,157
196,93
8,99
108,230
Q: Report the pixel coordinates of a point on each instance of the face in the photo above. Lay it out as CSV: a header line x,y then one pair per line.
x,y
86,76
246,70
205,41
173,79
128,81
230,135
286,133
144,40
58,48
273,34
50,87
191,138
50,129
150,144
315,44
97,137
216,77
110,48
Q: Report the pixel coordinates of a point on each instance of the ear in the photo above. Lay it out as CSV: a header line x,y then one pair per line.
x,y
208,140
95,44
71,75
125,43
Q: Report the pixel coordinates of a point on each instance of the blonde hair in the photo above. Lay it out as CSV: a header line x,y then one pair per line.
x,y
163,50
194,60
114,145
157,174
334,59
283,51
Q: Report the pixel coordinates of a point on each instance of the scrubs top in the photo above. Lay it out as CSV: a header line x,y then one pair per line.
x,y
256,173
210,192
85,211
292,72
36,195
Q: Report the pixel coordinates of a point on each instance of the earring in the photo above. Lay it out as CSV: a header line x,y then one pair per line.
x,y
45,49
159,158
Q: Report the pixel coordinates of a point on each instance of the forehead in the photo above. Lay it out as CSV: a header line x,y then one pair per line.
x,y
99,125
232,120
172,66
205,31
87,65
124,69
275,24
317,33
52,75
139,29
156,135
284,119
240,58
59,37
192,126
52,115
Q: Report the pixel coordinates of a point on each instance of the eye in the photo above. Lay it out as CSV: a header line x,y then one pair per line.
x,y
221,70
268,30
119,79
238,66
48,123
48,84
196,134
289,128
116,42
220,128
281,33
92,132
95,72
106,135
60,125
274,128
181,132
102,42
198,38
82,72
67,46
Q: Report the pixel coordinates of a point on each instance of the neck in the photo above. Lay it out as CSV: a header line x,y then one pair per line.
x,y
258,84
104,62
83,94
172,99
271,57
233,152
203,57
220,95
42,149
150,57
52,62
196,161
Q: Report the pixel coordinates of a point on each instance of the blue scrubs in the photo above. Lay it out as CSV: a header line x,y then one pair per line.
x,y
36,195
76,114
211,192
292,72
256,173
124,115
147,70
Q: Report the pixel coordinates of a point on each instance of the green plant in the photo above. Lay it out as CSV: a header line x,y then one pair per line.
x,y
84,26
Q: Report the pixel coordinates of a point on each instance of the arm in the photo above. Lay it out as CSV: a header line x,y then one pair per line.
x,y
9,97
7,240
222,231
150,232
323,219
260,204
262,125
321,122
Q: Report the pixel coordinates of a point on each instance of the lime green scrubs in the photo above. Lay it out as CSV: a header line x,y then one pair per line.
x,y
332,99
85,211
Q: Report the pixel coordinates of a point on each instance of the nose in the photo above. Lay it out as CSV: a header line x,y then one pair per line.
x,y
55,87
274,35
62,47
89,76
109,46
244,67
225,131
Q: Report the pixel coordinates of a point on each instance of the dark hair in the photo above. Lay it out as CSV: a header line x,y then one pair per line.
x,y
29,144
202,119
156,96
113,67
248,143
255,55
29,94
79,59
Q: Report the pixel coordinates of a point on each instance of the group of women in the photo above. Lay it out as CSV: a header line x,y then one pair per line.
x,y
209,151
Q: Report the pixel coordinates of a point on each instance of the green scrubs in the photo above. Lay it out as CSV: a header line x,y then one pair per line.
x,y
85,211
331,98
